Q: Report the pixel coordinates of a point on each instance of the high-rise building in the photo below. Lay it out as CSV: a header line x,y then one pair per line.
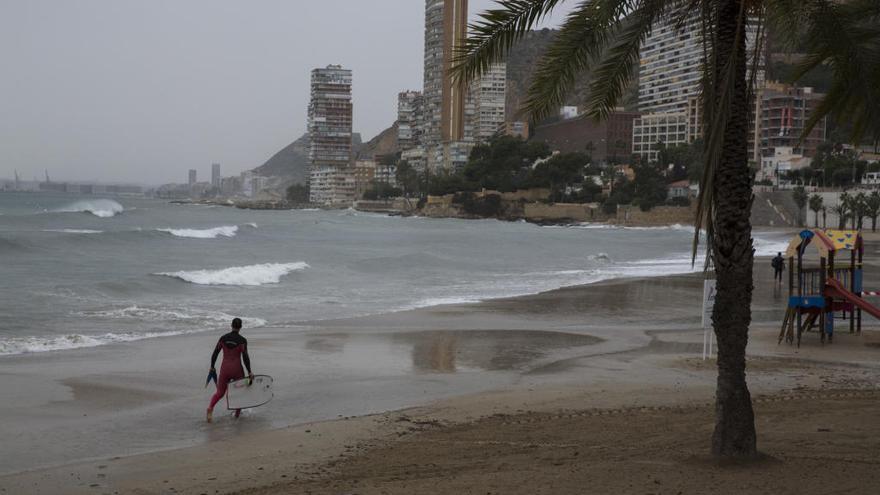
x,y
489,94
445,119
330,134
409,119
670,75
670,66
445,30
215,175
192,177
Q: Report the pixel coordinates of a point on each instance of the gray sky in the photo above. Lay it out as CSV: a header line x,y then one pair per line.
x,y
143,90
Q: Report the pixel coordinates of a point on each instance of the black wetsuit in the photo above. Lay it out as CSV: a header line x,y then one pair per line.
x,y
778,266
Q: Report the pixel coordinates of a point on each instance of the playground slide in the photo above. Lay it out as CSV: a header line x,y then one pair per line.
x,y
835,289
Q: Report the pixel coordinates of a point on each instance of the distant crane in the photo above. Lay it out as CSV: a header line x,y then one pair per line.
x,y
47,177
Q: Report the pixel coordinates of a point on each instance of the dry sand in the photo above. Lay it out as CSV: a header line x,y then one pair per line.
x,y
619,405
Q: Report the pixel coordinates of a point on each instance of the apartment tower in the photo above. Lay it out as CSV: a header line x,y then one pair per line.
x,y
489,93
330,120
444,98
409,119
670,74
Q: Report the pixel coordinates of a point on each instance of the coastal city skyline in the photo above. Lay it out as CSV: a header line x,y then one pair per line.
x,y
140,93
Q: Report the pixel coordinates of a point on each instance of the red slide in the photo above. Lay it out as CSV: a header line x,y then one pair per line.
x,y
834,289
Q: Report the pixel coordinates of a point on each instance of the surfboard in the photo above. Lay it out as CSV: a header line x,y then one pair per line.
x,y
247,394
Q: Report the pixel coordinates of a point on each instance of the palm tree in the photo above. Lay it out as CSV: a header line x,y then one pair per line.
x,y
860,207
799,194
816,206
872,209
604,37
842,211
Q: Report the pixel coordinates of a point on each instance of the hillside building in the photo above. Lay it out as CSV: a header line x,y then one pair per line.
x,y
784,111
610,140
517,128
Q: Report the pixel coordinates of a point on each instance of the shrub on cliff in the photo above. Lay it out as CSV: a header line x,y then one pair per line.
x,y
489,206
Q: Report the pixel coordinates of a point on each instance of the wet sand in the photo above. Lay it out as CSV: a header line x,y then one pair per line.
x,y
491,397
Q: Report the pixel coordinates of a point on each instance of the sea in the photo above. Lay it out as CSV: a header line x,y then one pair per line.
x,y
87,271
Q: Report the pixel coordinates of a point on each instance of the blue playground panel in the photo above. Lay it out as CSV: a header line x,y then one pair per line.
x,y
817,302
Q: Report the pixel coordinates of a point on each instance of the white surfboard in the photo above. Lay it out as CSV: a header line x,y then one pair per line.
x,y
247,393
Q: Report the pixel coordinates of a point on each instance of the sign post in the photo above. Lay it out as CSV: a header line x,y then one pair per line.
x,y
708,308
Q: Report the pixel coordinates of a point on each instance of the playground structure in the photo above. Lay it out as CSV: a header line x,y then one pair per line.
x,y
816,293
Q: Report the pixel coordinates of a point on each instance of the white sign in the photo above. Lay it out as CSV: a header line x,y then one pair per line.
x,y
708,308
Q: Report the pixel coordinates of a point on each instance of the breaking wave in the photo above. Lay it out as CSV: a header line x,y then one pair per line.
x,y
205,319
193,321
103,208
252,275
74,231
225,231
601,257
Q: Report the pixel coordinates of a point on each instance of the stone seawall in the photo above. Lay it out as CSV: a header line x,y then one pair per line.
x,y
658,216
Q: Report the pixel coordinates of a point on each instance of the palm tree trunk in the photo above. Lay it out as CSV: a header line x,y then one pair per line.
x,y
733,252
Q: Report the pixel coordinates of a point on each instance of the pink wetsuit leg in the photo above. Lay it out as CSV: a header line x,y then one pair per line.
x,y
222,385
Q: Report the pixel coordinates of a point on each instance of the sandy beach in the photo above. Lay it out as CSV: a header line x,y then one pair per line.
x,y
592,389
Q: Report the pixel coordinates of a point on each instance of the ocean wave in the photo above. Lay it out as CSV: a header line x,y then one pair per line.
x,y
225,231
252,275
27,345
103,208
194,321
74,231
610,226
602,257
205,319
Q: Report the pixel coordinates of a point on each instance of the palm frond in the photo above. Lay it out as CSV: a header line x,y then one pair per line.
x,y
611,77
581,40
847,38
789,19
496,31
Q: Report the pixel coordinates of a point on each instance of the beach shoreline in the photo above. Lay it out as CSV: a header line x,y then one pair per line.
x,y
612,345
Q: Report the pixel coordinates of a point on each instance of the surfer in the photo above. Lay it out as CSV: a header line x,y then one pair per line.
x,y
234,348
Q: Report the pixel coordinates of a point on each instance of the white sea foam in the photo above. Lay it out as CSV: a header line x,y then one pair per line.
x,y
74,231
192,321
225,231
252,275
602,257
103,208
207,319
26,345
530,283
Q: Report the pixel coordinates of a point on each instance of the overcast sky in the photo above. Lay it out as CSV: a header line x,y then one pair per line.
x,y
143,90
